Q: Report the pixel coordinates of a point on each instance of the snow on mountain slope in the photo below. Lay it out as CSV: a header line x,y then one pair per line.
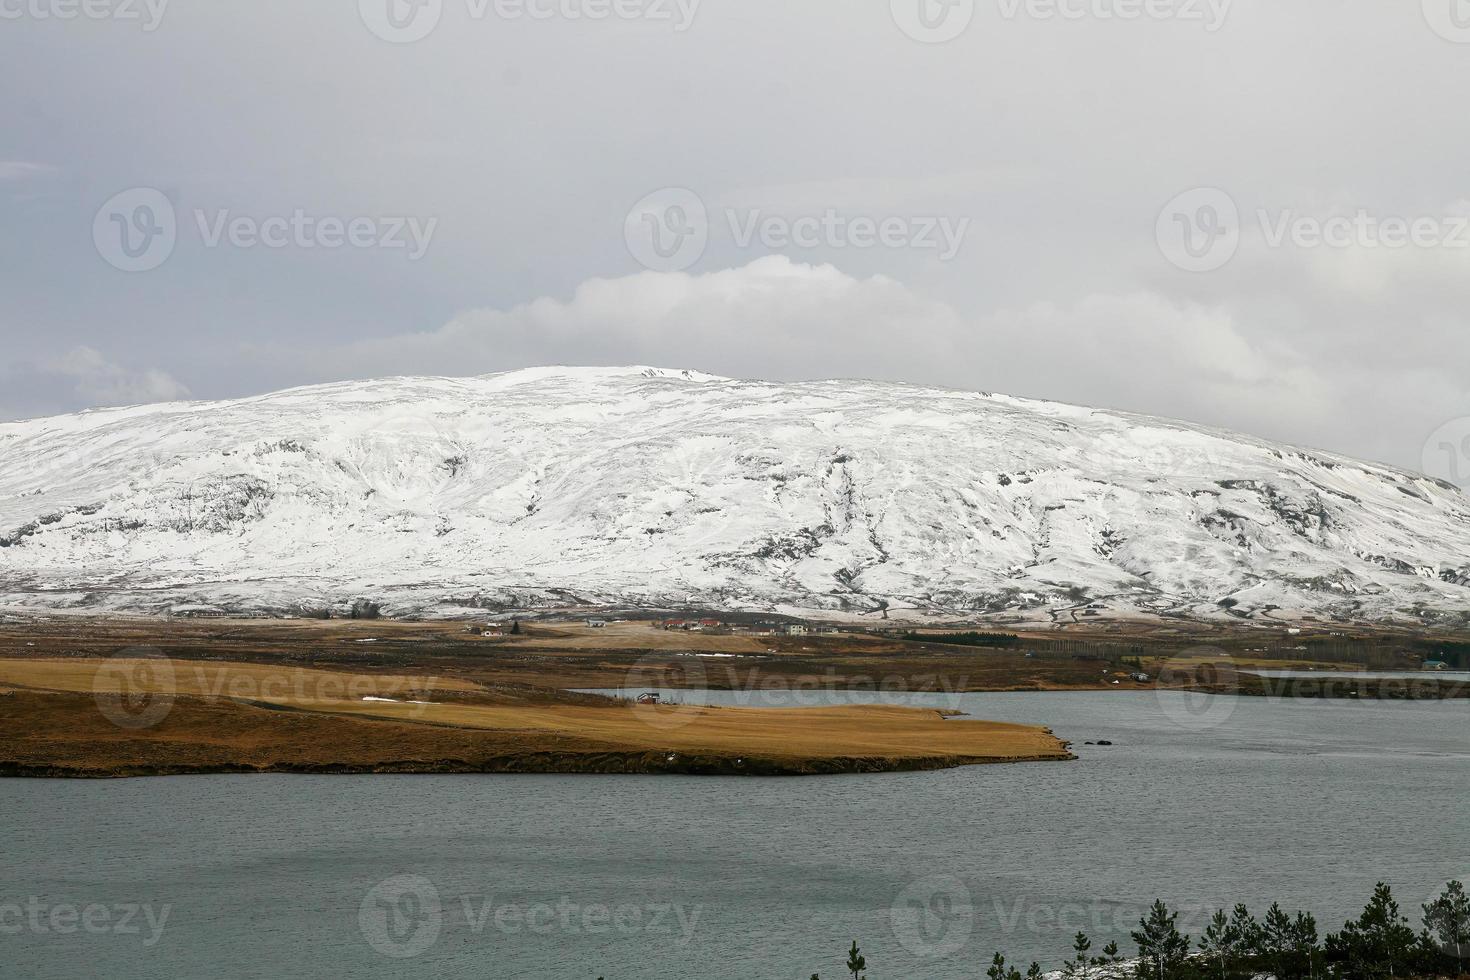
x,y
648,487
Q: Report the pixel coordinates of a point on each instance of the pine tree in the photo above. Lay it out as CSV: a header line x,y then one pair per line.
x,y
1108,961
1304,947
1246,935
1162,950
1448,918
1218,943
1379,944
1278,940
856,963
999,971
1076,967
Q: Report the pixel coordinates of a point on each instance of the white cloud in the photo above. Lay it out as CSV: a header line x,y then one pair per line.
x,y
81,378
771,318
100,382
775,318
779,319
24,170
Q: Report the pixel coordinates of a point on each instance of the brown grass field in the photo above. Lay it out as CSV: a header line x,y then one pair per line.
x,y
340,696
141,715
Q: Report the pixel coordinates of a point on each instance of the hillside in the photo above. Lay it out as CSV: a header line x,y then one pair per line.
x,y
653,488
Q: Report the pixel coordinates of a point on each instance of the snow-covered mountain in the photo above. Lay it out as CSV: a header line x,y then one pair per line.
x,y
655,488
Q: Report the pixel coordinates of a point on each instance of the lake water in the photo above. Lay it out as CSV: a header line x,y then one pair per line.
x,y
1201,802
1429,675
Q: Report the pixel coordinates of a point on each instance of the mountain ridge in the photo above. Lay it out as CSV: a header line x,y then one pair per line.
x,y
655,488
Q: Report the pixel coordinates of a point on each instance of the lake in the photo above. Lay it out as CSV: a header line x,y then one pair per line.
x,y
1200,801
1417,675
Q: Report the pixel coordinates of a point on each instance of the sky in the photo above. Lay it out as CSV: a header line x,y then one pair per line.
x,y
1246,213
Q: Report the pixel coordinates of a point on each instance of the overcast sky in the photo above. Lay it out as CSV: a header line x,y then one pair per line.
x,y
1125,203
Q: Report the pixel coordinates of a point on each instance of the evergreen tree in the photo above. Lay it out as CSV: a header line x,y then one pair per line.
x,y
1246,936
1304,947
856,963
1277,939
1108,961
1218,943
1379,944
1448,918
1076,967
1162,950
998,970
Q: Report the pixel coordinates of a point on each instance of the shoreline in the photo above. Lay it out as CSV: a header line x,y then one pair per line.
x,y
89,718
540,764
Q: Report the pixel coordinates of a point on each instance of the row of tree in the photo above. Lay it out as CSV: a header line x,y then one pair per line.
x,y
1379,945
